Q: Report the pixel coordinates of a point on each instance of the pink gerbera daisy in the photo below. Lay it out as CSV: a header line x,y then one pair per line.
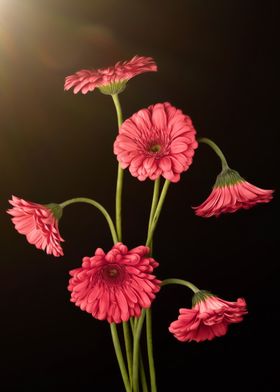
x,y
231,193
111,80
117,285
39,223
157,141
208,318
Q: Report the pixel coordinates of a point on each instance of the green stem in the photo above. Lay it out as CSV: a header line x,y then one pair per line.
x,y
154,216
118,108
119,188
154,201
150,350
153,208
120,174
132,324
119,356
143,375
217,150
136,347
180,282
128,349
157,213
99,207
119,202
142,368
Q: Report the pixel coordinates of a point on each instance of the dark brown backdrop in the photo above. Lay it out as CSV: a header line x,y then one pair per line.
x,y
217,62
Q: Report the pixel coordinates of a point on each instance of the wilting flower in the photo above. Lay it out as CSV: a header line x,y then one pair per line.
x,y
117,285
208,318
231,193
157,141
111,80
39,223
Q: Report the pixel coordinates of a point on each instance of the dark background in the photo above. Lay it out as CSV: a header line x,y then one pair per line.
x,y
217,62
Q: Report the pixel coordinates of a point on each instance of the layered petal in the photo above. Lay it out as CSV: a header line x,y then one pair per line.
x,y
115,285
209,317
38,224
231,193
157,141
111,80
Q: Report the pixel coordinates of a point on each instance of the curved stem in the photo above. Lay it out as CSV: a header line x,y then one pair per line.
x,y
157,212
181,282
150,350
119,356
127,341
217,150
136,346
120,174
99,207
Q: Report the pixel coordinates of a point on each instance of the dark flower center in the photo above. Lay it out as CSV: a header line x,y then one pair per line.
x,y
113,273
155,148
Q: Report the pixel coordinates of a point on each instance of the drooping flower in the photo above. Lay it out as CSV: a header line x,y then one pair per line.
x,y
230,193
117,285
209,317
111,80
39,223
157,141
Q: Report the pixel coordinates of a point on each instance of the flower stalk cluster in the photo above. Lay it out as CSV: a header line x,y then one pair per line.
x,y
119,285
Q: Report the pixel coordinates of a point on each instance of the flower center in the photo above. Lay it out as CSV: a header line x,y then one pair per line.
x,y
155,148
113,273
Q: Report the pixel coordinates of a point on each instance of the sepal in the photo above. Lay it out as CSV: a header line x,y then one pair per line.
x,y
201,295
56,209
113,88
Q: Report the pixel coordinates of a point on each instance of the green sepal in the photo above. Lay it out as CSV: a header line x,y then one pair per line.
x,y
201,295
56,209
113,88
227,177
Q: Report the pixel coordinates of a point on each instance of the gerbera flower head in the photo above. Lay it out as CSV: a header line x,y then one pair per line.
x,y
157,141
111,80
208,318
39,223
230,193
117,285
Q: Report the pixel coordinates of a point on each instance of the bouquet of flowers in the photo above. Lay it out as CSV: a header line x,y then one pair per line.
x,y
119,285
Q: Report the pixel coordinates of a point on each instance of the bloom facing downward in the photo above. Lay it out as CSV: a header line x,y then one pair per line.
x,y
117,285
209,317
38,224
159,140
231,193
111,80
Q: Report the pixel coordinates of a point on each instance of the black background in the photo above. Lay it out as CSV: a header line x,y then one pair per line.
x,y
217,62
